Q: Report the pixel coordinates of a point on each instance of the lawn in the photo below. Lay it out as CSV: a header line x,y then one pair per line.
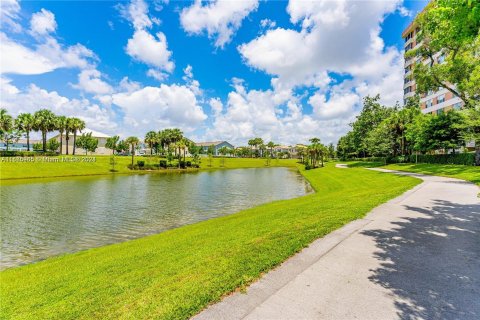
x,y
101,166
175,274
468,173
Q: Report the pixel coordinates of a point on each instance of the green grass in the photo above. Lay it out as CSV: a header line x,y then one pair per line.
x,y
40,169
468,173
175,274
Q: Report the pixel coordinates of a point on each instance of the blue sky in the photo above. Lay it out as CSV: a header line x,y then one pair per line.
x,y
224,70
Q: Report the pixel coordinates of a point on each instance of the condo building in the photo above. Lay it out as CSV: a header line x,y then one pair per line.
x,y
434,102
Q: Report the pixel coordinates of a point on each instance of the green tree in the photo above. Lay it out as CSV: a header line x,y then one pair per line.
x,y
331,151
470,129
11,136
223,151
6,121
61,126
133,143
122,146
44,121
112,143
151,138
76,125
451,28
271,145
87,142
53,145
25,122
210,153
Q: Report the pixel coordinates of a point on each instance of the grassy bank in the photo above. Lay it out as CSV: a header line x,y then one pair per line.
x,y
468,173
101,166
175,274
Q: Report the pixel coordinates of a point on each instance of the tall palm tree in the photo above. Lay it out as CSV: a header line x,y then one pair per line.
x,y
151,138
77,125
44,121
271,145
133,142
112,143
6,121
61,127
25,122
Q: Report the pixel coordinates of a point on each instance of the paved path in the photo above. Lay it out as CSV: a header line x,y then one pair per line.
x,y
415,257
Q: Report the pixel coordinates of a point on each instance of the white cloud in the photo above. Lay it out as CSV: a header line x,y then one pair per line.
x,y
216,106
34,98
143,46
46,57
267,23
9,15
90,81
152,108
153,51
338,105
219,19
43,22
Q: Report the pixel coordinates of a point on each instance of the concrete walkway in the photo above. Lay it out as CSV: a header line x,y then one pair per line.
x,y
415,257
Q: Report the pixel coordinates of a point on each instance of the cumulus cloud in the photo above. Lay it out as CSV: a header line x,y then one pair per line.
x,y
219,19
43,22
33,98
143,46
90,81
159,107
45,57
151,50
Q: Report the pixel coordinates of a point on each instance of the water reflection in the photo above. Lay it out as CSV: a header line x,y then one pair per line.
x,y
38,220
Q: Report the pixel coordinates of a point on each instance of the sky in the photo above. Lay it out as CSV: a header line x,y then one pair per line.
x,y
285,71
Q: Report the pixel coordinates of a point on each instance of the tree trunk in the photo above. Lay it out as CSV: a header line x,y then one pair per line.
x,y
28,140
66,140
61,143
74,141
133,154
44,141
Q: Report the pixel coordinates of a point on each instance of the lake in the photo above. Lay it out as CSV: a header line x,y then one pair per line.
x,y
43,219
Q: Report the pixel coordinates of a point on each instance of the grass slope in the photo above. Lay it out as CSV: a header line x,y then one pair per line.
x,y
175,274
40,169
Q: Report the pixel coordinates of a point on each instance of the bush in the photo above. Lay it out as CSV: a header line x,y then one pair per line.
x,y
182,164
163,164
188,163
467,159
141,163
308,167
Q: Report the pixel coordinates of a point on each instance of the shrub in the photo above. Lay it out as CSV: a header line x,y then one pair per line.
x,y
467,159
163,164
182,164
141,163
188,163
308,167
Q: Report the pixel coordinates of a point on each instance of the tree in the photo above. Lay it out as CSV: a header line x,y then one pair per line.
x,y
25,122
122,146
271,145
251,143
11,136
6,121
151,138
223,151
210,152
331,151
470,129
112,143
133,143
61,125
450,28
76,125
44,121
87,142
53,145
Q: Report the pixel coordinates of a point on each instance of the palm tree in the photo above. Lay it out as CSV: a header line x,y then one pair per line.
x,y
6,121
62,127
77,125
252,143
223,151
151,138
133,142
44,121
24,122
271,145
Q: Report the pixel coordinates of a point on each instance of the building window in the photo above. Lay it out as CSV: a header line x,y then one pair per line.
x,y
439,111
441,98
457,106
441,59
429,103
407,90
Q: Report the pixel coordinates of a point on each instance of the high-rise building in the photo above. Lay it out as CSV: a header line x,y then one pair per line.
x,y
435,101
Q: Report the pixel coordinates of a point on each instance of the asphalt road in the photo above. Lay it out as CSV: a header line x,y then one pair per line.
x,y
414,257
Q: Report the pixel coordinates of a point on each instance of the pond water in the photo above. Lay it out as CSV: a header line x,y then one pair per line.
x,y
42,219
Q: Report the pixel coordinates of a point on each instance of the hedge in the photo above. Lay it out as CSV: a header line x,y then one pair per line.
x,y
467,159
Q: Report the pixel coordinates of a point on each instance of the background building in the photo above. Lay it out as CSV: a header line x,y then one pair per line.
x,y
216,145
435,101
101,137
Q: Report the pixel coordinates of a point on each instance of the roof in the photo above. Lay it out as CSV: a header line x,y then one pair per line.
x,y
207,144
95,134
